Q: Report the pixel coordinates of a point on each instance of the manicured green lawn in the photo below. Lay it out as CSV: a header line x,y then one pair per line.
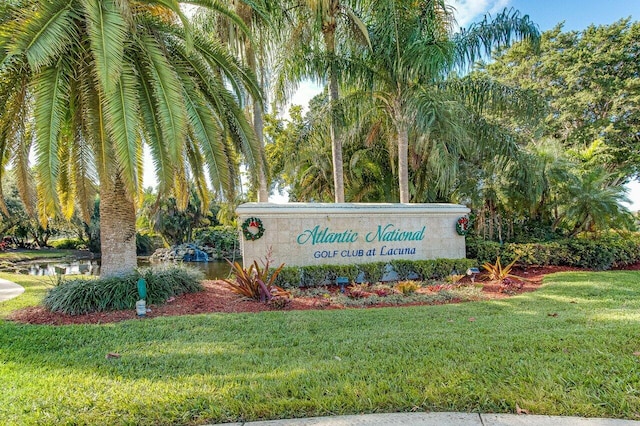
x,y
24,255
567,349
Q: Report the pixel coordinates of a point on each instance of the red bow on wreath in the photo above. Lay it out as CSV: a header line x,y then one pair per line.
x,y
254,223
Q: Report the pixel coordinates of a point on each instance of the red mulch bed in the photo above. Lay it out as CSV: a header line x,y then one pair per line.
x,y
216,297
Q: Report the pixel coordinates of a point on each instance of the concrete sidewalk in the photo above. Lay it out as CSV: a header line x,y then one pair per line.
x,y
9,290
443,419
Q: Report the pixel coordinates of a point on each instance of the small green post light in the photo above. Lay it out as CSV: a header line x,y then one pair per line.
x,y
141,305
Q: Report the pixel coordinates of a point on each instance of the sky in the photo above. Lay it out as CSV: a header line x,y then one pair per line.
x,y
576,14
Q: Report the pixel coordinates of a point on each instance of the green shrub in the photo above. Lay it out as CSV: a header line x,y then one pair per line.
x,y
85,295
223,238
602,251
144,244
404,268
289,277
69,244
372,272
483,251
317,275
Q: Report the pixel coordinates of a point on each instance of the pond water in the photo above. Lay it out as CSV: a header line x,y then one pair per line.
x,y
84,267
212,270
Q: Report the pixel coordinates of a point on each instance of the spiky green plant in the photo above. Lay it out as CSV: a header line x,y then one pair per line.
x,y
498,273
255,282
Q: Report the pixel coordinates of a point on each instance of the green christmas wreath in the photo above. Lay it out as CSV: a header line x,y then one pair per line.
x,y
462,226
252,222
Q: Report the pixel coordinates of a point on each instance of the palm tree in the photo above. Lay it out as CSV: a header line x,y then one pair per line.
x,y
248,33
412,75
591,198
302,158
306,58
89,82
593,204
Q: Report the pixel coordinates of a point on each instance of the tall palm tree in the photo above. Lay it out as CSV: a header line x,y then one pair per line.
x,y
89,82
249,34
323,60
412,68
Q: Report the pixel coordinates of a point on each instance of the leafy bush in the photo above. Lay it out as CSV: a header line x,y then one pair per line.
x,y
440,268
318,275
600,252
69,244
144,244
289,277
404,268
223,238
372,272
483,251
85,295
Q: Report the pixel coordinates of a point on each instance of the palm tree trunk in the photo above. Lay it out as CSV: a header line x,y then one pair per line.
x,y
492,221
117,231
403,163
258,125
336,137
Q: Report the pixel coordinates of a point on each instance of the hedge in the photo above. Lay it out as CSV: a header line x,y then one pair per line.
x,y
397,270
599,252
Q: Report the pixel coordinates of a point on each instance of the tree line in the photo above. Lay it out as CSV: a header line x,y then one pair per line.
x,y
410,113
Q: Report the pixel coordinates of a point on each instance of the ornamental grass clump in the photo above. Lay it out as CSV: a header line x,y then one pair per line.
x,y
79,296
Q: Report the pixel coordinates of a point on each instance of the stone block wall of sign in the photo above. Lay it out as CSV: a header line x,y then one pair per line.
x,y
303,234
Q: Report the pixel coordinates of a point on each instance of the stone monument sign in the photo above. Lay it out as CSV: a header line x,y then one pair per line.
x,y
303,234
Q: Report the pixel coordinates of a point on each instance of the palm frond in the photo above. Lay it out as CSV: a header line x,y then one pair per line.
x,y
485,95
121,113
167,96
174,6
215,8
481,37
240,78
155,139
43,34
210,139
82,168
51,105
195,160
94,127
16,130
66,185
107,32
